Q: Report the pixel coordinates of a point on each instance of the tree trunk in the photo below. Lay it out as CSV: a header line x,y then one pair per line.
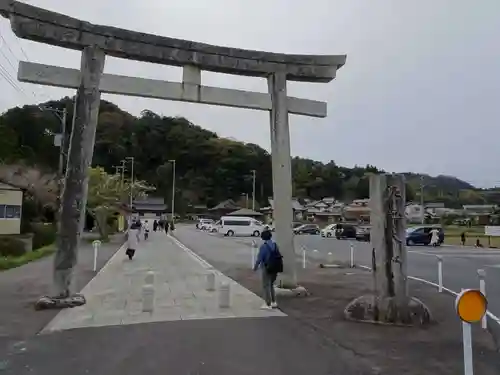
x,y
101,218
81,147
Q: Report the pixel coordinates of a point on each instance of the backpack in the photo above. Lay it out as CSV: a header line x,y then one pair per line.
x,y
275,261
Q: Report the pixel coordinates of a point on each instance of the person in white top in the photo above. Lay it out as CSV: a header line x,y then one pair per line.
x,y
133,238
434,237
145,227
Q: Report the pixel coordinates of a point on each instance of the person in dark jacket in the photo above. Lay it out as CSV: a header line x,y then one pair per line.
x,y
268,278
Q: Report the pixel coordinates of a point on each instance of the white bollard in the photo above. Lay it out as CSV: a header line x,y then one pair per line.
x,y
352,255
254,248
211,282
224,295
96,244
303,257
150,278
330,258
148,298
482,288
440,273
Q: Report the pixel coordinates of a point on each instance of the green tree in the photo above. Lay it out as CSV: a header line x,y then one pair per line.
x,y
106,193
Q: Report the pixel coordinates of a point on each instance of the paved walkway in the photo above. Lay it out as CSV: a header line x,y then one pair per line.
x,y
114,296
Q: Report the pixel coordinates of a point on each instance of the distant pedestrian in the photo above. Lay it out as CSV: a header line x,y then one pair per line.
x,y
172,226
133,239
155,226
146,229
270,261
478,243
462,238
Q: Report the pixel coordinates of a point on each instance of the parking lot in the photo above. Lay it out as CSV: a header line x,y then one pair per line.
x,y
460,264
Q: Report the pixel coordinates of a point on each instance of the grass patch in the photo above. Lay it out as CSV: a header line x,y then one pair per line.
x,y
470,240
13,262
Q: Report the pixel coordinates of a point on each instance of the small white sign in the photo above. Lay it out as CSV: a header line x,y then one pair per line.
x,y
57,140
492,230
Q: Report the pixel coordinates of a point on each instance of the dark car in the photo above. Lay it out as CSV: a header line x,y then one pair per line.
x,y
363,234
345,231
421,235
307,229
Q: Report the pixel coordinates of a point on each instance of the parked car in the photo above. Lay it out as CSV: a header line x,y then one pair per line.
x,y
307,229
363,234
203,223
329,230
345,231
213,227
421,235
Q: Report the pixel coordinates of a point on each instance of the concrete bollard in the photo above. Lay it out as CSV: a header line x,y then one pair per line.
x,y
481,273
224,296
150,278
352,255
96,244
330,258
148,298
440,273
210,282
303,257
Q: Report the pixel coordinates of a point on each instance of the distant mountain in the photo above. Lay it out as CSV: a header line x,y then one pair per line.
x,y
442,182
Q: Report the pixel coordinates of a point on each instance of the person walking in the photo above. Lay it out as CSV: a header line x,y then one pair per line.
x,y
462,238
270,261
146,229
155,226
434,237
133,238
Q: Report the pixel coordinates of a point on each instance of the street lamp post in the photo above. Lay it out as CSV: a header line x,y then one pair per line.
x,y
173,189
131,159
253,189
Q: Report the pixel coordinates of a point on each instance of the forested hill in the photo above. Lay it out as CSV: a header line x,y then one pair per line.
x,y
209,169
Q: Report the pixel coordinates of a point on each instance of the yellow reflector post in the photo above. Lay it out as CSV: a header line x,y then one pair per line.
x,y
471,305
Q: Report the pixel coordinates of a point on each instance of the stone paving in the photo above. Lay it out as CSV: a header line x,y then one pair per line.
x,y
114,296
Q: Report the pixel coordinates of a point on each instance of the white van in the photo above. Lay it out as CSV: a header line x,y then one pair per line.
x,y
240,226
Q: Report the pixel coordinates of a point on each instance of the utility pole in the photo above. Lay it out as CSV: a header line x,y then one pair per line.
x,y
60,141
173,189
422,207
253,189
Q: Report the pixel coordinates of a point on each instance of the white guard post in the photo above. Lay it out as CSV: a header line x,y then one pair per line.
x,y
96,244
440,273
303,257
481,273
352,254
254,252
471,307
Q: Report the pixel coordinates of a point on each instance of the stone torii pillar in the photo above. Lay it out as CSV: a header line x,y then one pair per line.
x,y
96,41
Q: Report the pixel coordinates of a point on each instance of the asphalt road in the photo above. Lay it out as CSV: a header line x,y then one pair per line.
x,y
460,264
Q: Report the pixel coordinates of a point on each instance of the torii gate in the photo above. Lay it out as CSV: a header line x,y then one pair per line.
x,y
97,41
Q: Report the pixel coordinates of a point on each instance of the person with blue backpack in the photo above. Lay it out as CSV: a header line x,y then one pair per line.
x,y
270,261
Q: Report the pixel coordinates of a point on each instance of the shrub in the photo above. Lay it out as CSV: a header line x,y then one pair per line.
x,y
43,234
12,262
11,247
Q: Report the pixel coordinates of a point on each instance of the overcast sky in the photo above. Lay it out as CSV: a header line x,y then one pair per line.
x,y
420,90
